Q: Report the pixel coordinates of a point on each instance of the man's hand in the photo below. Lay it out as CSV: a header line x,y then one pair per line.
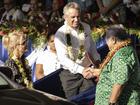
x,y
96,72
87,73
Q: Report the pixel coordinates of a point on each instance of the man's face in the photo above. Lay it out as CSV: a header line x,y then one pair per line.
x,y
72,17
8,4
55,5
34,5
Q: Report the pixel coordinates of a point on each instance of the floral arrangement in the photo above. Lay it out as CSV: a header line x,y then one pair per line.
x,y
134,31
99,31
37,37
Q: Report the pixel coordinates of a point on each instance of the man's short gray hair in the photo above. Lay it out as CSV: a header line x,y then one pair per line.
x,y
73,5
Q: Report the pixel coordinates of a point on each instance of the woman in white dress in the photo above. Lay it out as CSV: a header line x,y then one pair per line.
x,y
47,62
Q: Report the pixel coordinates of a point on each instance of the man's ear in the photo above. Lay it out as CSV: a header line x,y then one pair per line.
x,y
113,40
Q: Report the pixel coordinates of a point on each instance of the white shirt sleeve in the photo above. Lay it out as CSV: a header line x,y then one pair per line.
x,y
40,58
61,48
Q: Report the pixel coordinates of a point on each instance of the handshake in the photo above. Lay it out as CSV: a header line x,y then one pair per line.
x,y
91,72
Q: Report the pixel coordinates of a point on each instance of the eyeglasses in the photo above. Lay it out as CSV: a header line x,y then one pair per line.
x,y
23,43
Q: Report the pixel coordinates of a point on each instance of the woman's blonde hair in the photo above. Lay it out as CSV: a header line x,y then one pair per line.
x,y
11,40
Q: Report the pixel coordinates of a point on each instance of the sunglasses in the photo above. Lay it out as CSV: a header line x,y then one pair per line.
x,y
23,43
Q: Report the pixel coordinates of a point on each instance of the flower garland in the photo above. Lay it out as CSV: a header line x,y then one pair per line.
x,y
23,74
81,51
69,46
113,51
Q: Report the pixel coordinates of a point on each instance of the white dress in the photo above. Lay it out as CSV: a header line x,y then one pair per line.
x,y
49,61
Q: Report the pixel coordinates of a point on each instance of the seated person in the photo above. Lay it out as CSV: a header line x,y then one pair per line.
x,y
15,42
112,10
11,12
48,61
36,15
132,12
56,14
76,51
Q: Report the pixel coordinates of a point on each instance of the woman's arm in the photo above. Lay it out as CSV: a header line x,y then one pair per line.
x,y
116,90
39,73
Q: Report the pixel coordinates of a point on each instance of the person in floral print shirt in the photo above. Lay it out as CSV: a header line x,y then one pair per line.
x,y
119,74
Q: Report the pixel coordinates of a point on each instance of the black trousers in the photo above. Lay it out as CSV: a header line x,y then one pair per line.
x,y
74,84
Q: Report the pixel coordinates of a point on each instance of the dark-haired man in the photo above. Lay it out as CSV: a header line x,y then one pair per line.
x,y
11,12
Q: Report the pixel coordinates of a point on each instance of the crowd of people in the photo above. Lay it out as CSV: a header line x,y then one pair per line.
x,y
69,46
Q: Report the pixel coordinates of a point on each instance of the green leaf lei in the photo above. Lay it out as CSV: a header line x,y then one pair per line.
x,y
81,51
24,79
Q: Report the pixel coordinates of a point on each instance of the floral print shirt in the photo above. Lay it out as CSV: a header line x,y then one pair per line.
x,y
17,76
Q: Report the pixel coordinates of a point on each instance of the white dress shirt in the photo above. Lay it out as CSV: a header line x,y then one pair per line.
x,y
49,61
61,47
